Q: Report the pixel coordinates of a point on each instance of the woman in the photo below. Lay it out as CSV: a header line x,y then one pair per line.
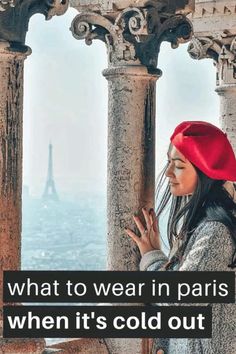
x,y
201,226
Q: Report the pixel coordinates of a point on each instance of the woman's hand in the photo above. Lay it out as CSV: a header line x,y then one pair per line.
x,y
150,236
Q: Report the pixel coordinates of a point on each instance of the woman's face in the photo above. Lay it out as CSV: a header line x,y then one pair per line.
x,y
181,173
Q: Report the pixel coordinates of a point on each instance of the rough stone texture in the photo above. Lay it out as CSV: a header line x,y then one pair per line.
x,y
11,111
5,4
13,28
184,6
134,35
128,346
226,88
131,158
83,346
14,21
22,346
13,51
131,169
214,25
228,112
214,17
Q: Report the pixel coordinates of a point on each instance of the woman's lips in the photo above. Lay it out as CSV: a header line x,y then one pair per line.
x,y
173,183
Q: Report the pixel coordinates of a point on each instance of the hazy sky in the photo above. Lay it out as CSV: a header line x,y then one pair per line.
x,y
66,103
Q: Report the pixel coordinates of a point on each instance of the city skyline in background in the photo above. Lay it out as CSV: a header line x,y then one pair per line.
x,y
66,101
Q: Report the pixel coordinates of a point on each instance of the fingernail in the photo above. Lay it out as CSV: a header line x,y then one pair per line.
x,y
136,213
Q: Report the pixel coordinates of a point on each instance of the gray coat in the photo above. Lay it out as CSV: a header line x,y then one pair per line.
x,y
209,249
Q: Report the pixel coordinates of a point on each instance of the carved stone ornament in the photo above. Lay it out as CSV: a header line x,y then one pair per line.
x,y
57,7
198,47
222,50
14,21
113,7
134,35
5,4
214,8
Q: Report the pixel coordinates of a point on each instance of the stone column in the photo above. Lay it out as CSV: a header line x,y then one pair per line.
x,y
130,168
11,127
11,112
228,112
226,89
131,157
214,37
13,51
132,36
223,52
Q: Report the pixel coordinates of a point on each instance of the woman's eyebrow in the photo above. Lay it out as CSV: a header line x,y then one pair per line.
x,y
178,158
175,158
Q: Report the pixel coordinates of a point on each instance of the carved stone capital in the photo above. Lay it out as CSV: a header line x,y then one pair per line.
x,y
57,8
113,7
134,35
5,4
13,50
14,21
222,50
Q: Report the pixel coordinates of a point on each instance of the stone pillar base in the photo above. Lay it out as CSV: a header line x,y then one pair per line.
x,y
22,345
81,345
128,345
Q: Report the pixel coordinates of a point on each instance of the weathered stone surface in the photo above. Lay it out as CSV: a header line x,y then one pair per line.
x,y
214,18
207,8
83,346
5,4
13,51
14,21
22,346
133,36
129,345
214,24
222,50
114,6
13,27
228,111
131,157
11,110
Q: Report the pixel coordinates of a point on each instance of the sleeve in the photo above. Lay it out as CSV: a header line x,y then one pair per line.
x,y
211,250
153,260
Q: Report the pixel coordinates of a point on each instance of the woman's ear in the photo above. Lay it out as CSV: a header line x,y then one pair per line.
x,y
231,189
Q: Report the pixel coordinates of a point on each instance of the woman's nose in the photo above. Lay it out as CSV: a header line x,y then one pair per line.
x,y
169,171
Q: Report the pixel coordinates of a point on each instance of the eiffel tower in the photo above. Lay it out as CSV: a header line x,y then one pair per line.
x,y
50,190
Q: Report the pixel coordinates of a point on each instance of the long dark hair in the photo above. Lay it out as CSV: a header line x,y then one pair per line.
x,y
210,200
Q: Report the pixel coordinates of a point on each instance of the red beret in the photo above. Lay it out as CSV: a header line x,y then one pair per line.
x,y
207,147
